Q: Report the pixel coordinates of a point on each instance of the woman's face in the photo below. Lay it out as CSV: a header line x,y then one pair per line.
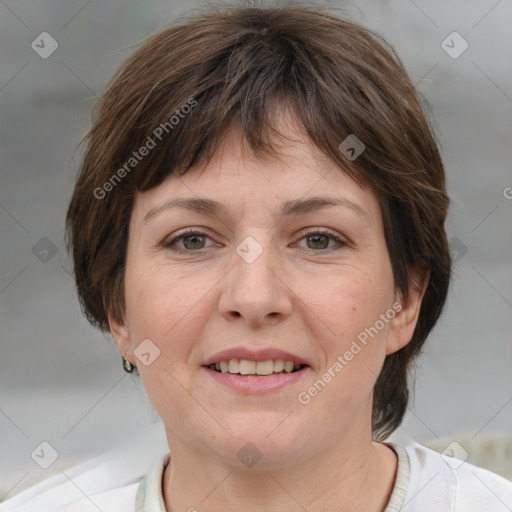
x,y
263,276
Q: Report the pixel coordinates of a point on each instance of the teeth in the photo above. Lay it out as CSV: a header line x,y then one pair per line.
x,y
264,367
279,365
246,367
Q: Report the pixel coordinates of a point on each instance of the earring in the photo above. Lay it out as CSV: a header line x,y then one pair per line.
x,y
127,366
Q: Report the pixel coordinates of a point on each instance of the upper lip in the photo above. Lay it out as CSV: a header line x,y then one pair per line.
x,y
265,354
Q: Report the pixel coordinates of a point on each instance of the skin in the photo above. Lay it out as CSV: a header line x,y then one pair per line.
x,y
308,296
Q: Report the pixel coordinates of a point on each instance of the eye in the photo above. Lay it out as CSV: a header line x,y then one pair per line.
x,y
192,241
319,239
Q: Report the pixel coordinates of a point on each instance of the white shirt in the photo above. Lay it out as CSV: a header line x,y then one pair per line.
x,y
426,481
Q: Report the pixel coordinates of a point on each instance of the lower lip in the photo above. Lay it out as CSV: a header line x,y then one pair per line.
x,y
254,384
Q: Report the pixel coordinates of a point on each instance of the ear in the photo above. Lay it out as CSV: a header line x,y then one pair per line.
x,y
404,322
121,334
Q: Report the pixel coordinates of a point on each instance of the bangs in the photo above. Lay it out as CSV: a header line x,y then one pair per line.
x,y
242,82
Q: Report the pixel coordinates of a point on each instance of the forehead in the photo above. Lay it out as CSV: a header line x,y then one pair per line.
x,y
238,179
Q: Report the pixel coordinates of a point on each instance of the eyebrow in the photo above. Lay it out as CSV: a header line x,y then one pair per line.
x,y
289,208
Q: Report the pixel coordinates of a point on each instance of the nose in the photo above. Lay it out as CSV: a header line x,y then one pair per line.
x,y
256,291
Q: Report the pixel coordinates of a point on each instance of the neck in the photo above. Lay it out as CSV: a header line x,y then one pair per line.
x,y
350,476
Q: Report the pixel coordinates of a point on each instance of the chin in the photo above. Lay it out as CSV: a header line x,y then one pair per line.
x,y
259,442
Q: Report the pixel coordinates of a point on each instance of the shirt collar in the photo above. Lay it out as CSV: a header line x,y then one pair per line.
x,y
149,493
150,496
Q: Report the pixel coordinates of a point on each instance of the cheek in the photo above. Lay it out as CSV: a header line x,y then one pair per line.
x,y
357,298
154,300
169,307
168,310
356,304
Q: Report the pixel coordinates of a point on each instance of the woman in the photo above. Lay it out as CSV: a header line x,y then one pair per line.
x,y
259,222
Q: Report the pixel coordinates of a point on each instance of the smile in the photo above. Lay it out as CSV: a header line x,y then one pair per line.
x,y
252,383
247,367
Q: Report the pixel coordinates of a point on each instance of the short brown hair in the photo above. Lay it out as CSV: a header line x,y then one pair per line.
x,y
235,65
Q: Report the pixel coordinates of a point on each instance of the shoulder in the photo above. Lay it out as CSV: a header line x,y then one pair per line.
x,y
445,482
109,484
59,494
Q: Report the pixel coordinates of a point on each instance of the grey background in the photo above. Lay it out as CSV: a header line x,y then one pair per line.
x,y
61,381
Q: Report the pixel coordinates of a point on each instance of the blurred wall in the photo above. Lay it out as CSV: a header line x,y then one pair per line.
x,y
62,382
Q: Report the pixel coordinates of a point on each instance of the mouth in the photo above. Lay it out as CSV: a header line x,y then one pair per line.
x,y
256,377
248,368
253,372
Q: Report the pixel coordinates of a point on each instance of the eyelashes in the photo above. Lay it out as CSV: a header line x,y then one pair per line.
x,y
197,236
172,242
